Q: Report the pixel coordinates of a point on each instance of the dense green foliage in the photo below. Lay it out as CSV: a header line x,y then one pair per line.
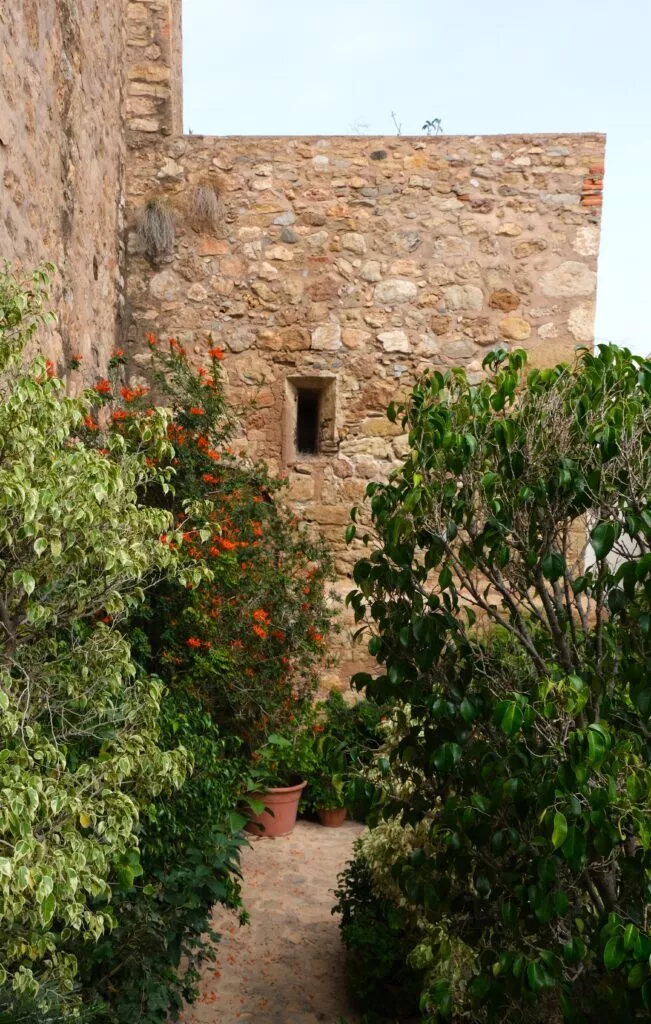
x,y
251,637
380,937
78,726
160,610
148,963
508,592
346,735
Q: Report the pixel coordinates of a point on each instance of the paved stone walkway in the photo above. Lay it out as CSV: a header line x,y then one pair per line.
x,y
287,966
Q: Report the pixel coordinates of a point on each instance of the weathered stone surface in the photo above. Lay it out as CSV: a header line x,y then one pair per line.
x,y
318,241
451,246
374,448
285,219
267,271
503,299
239,339
569,279
353,338
316,218
396,254
459,350
395,291
354,242
279,252
323,288
212,247
548,331
380,426
166,286
371,271
301,487
465,296
586,240
62,154
327,337
290,339
509,228
580,323
333,515
439,274
394,341
515,328
197,293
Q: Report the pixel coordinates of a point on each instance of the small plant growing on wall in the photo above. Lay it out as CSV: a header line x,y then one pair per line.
x,y
207,211
433,127
157,231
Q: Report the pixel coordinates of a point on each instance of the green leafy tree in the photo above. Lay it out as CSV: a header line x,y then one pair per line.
x,y
78,725
508,592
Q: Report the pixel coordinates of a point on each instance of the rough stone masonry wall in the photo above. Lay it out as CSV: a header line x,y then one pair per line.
x,y
353,264
366,260
62,64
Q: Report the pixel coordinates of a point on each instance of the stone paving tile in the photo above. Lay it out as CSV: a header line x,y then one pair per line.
x,y
287,966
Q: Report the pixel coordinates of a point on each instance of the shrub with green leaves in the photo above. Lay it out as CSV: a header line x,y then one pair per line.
x,y
508,592
78,726
379,935
346,736
148,964
252,637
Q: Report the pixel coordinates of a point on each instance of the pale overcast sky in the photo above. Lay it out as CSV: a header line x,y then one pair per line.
x,y
299,67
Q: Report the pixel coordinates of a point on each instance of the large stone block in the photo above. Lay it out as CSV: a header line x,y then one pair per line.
x,y
327,338
395,290
166,286
301,487
328,515
463,296
285,339
568,280
394,341
515,328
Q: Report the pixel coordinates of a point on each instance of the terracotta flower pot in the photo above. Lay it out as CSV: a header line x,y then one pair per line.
x,y
279,816
334,818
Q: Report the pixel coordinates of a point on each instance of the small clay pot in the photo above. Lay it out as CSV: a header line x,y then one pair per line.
x,y
279,816
334,818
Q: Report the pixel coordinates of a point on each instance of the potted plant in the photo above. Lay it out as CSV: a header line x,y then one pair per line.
x,y
328,780
278,779
327,796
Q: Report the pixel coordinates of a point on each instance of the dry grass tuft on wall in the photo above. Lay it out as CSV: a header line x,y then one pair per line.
x,y
157,230
207,210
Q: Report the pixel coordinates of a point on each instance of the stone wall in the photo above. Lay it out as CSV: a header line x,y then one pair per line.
x,y
332,270
351,264
62,64
342,267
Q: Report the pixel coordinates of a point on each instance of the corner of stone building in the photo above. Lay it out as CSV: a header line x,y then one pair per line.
x,y
62,165
154,71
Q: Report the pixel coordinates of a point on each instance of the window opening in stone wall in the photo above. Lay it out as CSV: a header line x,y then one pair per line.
x,y
307,421
310,417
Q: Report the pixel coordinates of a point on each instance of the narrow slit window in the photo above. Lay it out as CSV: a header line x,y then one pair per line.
x,y
307,421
